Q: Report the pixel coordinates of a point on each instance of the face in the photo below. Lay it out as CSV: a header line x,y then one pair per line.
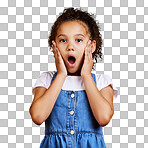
x,y
71,40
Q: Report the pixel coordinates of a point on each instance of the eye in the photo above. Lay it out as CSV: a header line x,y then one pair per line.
x,y
62,40
79,40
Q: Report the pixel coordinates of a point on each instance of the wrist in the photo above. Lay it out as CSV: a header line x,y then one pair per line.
x,y
85,76
61,75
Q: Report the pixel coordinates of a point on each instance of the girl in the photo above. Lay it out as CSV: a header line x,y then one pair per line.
x,y
74,103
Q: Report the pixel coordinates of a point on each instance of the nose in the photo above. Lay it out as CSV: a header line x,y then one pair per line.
x,y
70,47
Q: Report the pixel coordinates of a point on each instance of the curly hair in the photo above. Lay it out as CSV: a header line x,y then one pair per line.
x,y
71,14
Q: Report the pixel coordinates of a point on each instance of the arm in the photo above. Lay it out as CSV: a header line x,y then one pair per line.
x,y
101,102
41,107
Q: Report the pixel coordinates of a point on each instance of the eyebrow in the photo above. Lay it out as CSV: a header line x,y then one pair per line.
x,y
74,35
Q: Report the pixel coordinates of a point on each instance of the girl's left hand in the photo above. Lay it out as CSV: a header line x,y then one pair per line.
x,y
88,60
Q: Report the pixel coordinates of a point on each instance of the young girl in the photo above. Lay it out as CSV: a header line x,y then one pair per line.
x,y
74,102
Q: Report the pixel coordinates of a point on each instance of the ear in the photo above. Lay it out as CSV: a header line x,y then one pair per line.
x,y
93,46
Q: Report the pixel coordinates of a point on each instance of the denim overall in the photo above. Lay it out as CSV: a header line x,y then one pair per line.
x,y
71,123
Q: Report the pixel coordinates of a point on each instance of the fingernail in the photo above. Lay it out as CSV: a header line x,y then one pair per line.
x,y
89,41
53,42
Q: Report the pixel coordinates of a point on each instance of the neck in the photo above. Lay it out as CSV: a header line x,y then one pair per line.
x,y
77,73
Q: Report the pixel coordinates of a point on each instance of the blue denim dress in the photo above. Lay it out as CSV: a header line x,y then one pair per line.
x,y
71,123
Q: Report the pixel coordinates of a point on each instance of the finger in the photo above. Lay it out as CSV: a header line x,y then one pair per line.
x,y
89,49
53,45
89,44
86,53
54,49
53,42
89,55
57,50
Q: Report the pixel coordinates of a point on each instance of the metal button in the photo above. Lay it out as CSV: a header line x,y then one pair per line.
x,y
71,112
72,132
72,95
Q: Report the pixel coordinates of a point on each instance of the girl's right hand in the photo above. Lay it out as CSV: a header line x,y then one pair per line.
x,y
61,69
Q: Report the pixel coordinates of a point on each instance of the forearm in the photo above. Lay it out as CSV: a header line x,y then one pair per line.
x,y
101,108
42,107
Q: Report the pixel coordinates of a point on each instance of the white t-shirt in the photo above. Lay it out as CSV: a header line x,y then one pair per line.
x,y
74,83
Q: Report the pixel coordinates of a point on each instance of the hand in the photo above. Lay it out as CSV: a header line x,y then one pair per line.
x,y
61,69
88,60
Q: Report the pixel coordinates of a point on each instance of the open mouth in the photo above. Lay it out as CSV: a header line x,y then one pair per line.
x,y
71,59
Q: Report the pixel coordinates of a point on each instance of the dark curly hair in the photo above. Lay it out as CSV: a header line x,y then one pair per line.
x,y
71,14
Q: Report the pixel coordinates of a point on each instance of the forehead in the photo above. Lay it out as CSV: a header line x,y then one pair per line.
x,y
74,26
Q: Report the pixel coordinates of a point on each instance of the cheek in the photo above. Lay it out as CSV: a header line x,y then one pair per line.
x,y
60,47
83,50
81,53
62,52
81,47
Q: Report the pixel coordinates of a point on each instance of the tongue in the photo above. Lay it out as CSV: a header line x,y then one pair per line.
x,y
71,60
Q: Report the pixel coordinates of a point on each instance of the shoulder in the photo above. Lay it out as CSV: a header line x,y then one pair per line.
x,y
47,74
103,77
104,80
44,79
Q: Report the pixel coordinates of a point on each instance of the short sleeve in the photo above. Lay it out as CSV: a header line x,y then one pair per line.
x,y
103,81
43,80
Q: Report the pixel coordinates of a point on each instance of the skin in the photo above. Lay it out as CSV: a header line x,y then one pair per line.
x,y
73,42
101,102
